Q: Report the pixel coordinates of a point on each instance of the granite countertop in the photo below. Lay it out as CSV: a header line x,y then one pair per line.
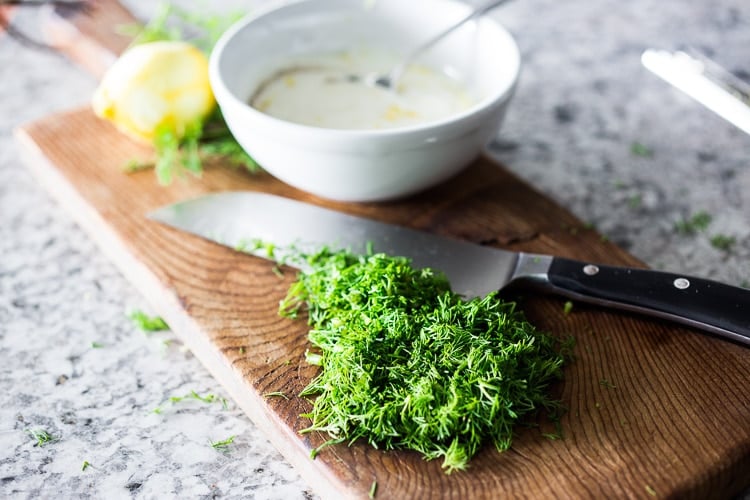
x,y
74,365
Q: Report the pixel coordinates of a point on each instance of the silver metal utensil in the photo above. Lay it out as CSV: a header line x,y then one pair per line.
x,y
705,81
390,79
236,219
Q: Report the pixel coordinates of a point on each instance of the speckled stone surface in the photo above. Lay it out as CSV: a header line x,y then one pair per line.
x,y
71,363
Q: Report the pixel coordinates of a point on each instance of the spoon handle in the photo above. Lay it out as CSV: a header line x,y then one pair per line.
x,y
396,72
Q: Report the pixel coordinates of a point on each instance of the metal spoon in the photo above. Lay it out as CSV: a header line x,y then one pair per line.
x,y
390,79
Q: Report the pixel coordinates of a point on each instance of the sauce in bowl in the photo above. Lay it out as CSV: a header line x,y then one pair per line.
x,y
317,91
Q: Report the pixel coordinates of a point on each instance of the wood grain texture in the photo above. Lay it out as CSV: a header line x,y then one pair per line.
x,y
653,409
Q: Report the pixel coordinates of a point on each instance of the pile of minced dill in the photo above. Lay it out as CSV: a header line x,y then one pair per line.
x,y
407,363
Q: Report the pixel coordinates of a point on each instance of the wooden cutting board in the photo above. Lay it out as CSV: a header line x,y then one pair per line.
x,y
653,409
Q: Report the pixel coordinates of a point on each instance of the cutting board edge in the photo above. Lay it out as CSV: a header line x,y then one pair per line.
x,y
169,307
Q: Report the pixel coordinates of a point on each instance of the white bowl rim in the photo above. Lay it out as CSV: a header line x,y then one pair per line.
x,y
223,94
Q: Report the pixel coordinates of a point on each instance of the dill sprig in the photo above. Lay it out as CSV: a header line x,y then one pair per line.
x,y
407,363
193,395
41,436
723,242
202,140
699,221
223,444
147,323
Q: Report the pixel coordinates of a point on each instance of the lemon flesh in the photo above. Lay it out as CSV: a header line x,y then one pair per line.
x,y
154,86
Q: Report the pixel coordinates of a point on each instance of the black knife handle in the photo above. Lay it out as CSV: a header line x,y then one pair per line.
x,y
719,308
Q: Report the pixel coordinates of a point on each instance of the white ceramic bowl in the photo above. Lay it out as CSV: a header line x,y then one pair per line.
x,y
364,165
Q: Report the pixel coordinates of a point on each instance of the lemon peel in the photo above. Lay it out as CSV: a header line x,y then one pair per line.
x,y
156,86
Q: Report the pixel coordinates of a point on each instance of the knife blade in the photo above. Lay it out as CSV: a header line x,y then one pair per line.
x,y
235,219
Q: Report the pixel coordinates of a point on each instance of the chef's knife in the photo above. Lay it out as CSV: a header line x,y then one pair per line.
x,y
236,219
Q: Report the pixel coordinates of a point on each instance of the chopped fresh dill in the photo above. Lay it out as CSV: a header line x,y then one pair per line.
x,y
208,398
699,221
276,394
223,444
147,323
203,140
567,307
606,383
551,436
41,436
723,242
407,363
242,350
171,22
96,345
639,149
635,201
86,465
192,395
373,489
133,166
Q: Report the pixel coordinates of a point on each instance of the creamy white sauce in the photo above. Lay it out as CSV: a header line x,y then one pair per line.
x,y
315,91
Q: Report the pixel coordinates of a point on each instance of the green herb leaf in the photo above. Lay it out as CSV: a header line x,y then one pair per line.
x,y
407,363
276,394
96,345
567,307
635,201
147,323
42,437
193,395
639,149
180,152
697,222
373,489
723,242
606,383
223,444
202,29
85,465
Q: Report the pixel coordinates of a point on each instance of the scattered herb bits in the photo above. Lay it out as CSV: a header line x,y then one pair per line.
x,y
182,145
699,221
567,307
148,323
407,363
722,242
223,444
41,437
639,149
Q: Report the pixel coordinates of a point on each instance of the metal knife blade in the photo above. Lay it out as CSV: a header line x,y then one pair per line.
x,y
236,219
705,81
